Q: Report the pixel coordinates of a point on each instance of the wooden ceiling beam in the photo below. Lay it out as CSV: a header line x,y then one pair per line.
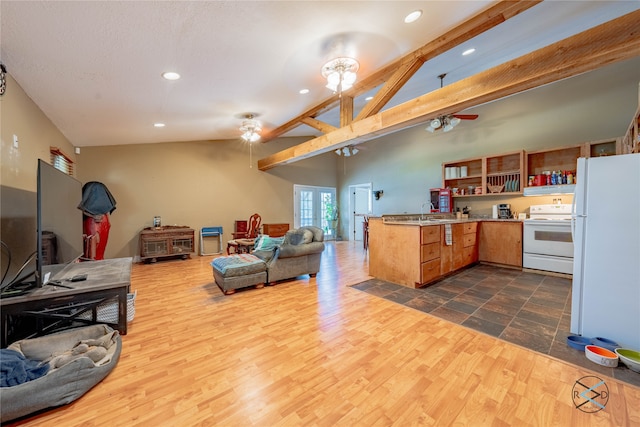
x,y
317,124
485,20
390,88
602,45
346,110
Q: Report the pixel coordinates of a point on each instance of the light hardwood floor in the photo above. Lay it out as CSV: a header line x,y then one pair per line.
x,y
315,352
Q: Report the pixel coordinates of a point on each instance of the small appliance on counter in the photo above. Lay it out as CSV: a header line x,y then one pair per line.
x,y
504,211
441,200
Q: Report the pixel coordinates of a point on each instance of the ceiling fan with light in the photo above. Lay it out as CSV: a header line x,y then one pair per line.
x,y
449,121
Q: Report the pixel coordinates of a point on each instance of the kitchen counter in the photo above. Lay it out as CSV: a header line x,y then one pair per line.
x,y
394,220
414,252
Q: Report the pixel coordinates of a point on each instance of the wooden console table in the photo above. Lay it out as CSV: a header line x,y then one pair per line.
x,y
56,306
275,230
167,241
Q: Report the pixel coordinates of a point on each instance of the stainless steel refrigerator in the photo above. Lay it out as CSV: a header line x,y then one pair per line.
x,y
606,263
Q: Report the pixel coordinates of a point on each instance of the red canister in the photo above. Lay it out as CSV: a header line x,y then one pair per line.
x,y
540,179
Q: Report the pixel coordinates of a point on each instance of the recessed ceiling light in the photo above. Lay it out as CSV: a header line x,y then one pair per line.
x,y
158,125
413,16
171,75
368,98
468,52
304,91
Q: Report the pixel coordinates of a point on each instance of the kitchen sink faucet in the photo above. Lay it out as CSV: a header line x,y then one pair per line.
x,y
422,209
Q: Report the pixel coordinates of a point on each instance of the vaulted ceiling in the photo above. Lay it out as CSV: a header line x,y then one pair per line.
x,y
94,67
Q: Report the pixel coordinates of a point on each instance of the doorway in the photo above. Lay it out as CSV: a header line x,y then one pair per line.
x,y
359,206
315,206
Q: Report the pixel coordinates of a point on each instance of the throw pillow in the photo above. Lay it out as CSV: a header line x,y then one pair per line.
x,y
300,236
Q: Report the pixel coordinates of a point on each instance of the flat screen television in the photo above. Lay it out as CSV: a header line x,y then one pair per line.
x,y
60,237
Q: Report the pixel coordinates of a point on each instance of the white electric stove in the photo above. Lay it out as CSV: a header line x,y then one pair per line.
x,y
547,243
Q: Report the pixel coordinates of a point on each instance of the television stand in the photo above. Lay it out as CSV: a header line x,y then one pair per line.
x,y
54,307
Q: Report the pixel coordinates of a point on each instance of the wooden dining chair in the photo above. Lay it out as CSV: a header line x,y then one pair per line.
x,y
244,243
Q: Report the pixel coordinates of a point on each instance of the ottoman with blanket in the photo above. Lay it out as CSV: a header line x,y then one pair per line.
x,y
239,271
55,369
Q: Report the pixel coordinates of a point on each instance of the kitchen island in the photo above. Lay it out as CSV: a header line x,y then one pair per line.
x,y
414,252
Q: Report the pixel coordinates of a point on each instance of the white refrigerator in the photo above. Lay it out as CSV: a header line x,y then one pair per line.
x,y
606,266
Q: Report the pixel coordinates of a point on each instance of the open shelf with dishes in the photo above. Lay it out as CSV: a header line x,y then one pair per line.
x,y
463,176
504,172
485,176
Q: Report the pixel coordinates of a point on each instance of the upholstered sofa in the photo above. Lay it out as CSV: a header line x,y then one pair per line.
x,y
298,254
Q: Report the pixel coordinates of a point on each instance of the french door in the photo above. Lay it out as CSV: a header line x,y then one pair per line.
x,y
315,206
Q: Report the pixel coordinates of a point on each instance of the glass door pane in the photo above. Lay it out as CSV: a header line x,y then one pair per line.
x,y
306,207
316,206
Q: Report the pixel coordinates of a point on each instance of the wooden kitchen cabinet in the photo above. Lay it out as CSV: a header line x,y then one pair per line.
x,y
430,253
168,241
462,251
631,141
500,242
556,159
474,178
408,255
506,170
605,147
470,243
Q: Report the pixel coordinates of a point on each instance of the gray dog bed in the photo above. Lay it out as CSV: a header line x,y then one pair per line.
x,y
79,359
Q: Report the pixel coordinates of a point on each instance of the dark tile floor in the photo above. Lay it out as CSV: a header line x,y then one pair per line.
x,y
528,309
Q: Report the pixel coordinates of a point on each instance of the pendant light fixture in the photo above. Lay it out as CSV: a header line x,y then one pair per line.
x,y
340,74
250,128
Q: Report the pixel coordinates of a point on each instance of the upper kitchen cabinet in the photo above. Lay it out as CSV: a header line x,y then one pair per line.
x,y
555,159
499,174
631,141
606,147
463,175
504,172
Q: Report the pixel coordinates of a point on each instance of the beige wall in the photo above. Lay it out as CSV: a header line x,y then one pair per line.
x,y
202,183
20,116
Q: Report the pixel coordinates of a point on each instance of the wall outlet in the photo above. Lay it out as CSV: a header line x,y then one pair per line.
x,y
15,141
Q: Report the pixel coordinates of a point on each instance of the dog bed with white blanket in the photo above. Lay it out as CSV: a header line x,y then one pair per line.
x,y
77,360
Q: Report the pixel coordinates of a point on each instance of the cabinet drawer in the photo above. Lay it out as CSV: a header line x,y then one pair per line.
x,y
430,251
430,234
430,270
469,240
470,255
470,227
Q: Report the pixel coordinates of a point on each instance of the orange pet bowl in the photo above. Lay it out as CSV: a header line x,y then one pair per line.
x,y
601,356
